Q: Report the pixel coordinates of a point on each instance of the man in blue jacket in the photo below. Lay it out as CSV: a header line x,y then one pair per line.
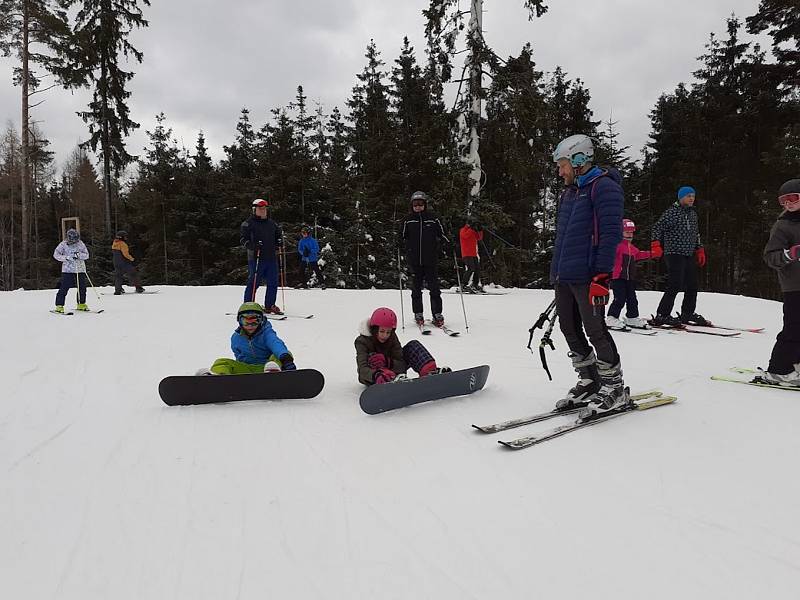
x,y
308,249
262,237
588,230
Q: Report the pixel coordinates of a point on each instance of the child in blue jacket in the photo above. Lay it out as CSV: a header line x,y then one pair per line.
x,y
308,249
255,345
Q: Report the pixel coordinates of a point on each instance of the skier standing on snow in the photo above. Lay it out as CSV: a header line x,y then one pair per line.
x,y
308,249
71,253
123,264
263,239
623,280
469,236
677,235
380,357
782,253
255,345
588,230
421,234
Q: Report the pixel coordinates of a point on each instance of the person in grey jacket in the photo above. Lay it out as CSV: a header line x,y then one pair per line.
x,y
677,235
782,253
71,253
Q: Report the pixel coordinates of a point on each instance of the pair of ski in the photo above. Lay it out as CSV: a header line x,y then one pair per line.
x,y
756,381
72,312
427,328
642,401
274,317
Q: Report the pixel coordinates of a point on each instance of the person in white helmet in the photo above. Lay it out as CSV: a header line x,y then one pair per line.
x,y
263,239
588,230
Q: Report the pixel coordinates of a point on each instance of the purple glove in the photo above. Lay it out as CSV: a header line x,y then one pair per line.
x,y
383,376
376,360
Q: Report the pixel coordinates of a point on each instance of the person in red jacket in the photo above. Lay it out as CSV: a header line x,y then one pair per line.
x,y
469,235
623,280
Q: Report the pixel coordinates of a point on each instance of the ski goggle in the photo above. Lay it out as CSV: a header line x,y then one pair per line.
x,y
251,319
788,199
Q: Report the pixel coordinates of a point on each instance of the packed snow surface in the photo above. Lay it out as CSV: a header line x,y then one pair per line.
x,y
106,493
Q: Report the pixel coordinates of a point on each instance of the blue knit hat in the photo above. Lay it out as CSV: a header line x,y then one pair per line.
x,y
685,191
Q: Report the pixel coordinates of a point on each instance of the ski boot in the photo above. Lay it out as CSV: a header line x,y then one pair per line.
x,y
139,290
612,395
695,319
60,309
789,380
273,310
119,292
82,307
615,323
419,319
636,322
666,321
438,320
588,382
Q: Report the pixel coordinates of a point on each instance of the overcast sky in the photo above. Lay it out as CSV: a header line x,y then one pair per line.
x,y
205,59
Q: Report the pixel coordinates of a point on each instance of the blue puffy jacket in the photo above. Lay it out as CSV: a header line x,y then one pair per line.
x,y
310,244
588,227
256,350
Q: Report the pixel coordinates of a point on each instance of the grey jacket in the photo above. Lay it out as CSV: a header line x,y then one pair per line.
x,y
785,234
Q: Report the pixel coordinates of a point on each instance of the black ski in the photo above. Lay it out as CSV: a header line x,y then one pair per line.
x,y
63,314
502,426
527,442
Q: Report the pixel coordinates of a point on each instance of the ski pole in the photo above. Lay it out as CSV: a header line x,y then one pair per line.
x,y
255,275
282,268
400,281
550,314
460,291
85,272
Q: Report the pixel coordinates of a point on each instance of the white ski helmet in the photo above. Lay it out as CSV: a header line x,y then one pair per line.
x,y
578,149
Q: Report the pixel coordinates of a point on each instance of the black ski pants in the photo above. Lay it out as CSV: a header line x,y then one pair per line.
x,y
305,267
576,315
429,275
473,270
786,352
123,271
681,277
624,295
71,280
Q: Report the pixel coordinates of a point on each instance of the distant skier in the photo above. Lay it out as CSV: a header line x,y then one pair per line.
x,y
308,249
380,357
123,264
72,253
588,230
255,345
782,253
469,236
263,239
421,234
623,280
677,235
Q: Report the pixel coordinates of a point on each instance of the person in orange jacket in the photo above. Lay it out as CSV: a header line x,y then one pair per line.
x,y
123,264
469,235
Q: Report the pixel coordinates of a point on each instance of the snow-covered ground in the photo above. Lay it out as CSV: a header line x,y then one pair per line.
x,y
106,493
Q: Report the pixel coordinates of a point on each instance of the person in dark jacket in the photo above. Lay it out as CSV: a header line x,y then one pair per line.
x,y
380,358
123,264
782,253
263,239
421,234
308,249
469,236
677,235
588,230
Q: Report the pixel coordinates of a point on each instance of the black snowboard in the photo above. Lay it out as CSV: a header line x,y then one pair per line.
x,y
184,390
388,396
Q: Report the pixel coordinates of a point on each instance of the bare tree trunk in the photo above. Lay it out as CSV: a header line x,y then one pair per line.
x,y
475,84
24,126
106,143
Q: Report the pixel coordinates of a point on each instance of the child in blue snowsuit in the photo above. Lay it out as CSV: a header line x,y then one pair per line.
x,y
308,249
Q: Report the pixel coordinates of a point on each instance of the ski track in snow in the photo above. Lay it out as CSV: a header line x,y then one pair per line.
x,y
107,493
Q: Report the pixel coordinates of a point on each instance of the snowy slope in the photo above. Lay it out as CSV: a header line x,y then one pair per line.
x,y
106,493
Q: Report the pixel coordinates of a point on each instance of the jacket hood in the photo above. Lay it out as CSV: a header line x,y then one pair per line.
x,y
363,328
595,172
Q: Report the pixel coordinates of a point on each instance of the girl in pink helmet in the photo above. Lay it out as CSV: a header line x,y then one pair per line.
x,y
381,358
623,280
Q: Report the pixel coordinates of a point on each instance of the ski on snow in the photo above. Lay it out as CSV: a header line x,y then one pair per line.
x,y
636,330
527,442
67,313
754,382
688,329
447,330
511,424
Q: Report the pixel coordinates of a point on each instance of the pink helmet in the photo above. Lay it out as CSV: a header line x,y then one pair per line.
x,y
628,225
383,317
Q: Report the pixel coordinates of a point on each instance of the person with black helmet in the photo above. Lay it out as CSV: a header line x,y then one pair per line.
x,y
308,249
782,253
421,233
123,264
469,236
263,239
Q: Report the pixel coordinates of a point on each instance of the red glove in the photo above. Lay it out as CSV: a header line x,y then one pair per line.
x,y
383,376
598,290
793,253
656,251
700,257
376,360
